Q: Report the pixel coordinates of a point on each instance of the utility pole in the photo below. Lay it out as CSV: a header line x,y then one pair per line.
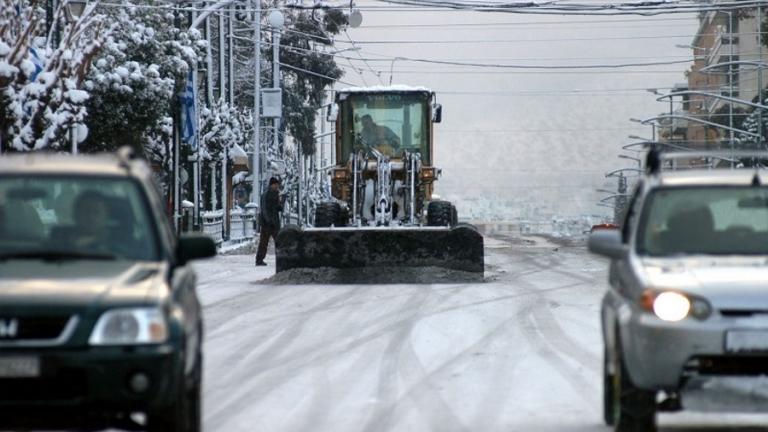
x,y
730,83
255,164
276,82
760,99
223,97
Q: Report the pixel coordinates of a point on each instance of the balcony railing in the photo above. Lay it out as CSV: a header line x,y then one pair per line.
x,y
725,45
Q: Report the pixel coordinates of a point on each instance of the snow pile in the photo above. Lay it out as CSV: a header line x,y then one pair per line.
x,y
370,275
528,217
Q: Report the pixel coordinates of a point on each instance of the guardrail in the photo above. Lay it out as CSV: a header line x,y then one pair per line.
x,y
241,226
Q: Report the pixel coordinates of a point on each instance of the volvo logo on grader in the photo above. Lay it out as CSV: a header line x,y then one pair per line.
x,y
9,328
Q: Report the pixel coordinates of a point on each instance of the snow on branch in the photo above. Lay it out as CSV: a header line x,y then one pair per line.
x,y
42,73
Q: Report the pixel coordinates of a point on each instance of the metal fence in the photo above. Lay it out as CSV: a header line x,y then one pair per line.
x,y
241,225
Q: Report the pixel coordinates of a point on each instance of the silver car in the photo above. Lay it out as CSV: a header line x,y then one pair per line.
x,y
689,290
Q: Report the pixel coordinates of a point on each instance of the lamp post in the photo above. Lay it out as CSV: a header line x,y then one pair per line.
x,y
276,21
74,10
256,160
638,160
653,127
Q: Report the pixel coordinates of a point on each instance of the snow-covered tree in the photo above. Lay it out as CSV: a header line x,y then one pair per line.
x,y
221,127
308,72
135,80
42,73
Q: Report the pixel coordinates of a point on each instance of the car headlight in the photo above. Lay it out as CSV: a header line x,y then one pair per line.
x,y
130,326
671,306
674,306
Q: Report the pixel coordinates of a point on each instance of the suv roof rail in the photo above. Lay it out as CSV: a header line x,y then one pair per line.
x,y
655,158
125,155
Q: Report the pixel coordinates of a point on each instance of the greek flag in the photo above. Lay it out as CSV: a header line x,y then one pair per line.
x,y
189,113
35,58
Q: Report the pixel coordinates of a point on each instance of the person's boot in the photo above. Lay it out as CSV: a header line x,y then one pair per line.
x,y
260,263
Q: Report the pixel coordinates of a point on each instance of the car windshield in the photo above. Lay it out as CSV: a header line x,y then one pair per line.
x,y
75,217
705,220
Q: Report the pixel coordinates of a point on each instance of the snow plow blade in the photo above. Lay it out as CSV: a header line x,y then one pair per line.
x,y
458,248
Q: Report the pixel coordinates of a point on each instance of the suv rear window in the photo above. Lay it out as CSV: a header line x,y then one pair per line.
x,y
705,220
75,215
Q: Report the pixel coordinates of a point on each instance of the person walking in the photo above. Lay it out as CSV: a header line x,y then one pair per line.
x,y
269,218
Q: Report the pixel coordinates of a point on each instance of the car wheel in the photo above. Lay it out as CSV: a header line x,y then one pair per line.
x,y
634,409
185,414
607,391
194,401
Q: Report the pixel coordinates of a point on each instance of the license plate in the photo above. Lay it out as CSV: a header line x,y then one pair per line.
x,y
746,341
19,367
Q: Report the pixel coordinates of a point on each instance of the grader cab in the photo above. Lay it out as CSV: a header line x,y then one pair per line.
x,y
383,212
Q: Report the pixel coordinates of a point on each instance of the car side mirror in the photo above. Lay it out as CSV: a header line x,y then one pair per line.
x,y
607,243
194,246
437,113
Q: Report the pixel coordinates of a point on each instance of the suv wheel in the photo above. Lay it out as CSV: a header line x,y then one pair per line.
x,y
607,391
634,409
185,414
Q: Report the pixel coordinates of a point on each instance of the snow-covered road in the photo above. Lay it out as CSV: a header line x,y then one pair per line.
x,y
521,352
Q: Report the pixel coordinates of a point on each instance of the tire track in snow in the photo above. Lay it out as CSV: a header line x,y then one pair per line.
x,y
536,320
539,341
254,355
224,311
418,391
380,420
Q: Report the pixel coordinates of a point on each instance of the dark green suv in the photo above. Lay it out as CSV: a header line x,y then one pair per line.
x,y
100,324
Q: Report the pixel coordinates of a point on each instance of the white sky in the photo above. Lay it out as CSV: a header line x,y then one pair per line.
x,y
543,152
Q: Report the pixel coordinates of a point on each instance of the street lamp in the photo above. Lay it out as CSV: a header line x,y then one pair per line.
x,y
75,9
620,171
342,50
637,144
653,127
639,162
355,18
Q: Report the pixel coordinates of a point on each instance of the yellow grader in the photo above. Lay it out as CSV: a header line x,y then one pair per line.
x,y
383,213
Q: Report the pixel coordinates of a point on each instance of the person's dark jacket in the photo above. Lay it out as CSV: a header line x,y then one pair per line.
x,y
270,209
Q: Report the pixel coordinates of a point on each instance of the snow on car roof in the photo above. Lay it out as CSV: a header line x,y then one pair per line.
x,y
713,177
50,163
379,89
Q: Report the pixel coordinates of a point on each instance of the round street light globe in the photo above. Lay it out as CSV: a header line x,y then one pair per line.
x,y
276,19
355,18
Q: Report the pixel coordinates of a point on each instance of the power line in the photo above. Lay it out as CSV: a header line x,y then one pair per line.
x,y
378,75
626,72
478,41
530,23
510,131
653,7
521,66
298,69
